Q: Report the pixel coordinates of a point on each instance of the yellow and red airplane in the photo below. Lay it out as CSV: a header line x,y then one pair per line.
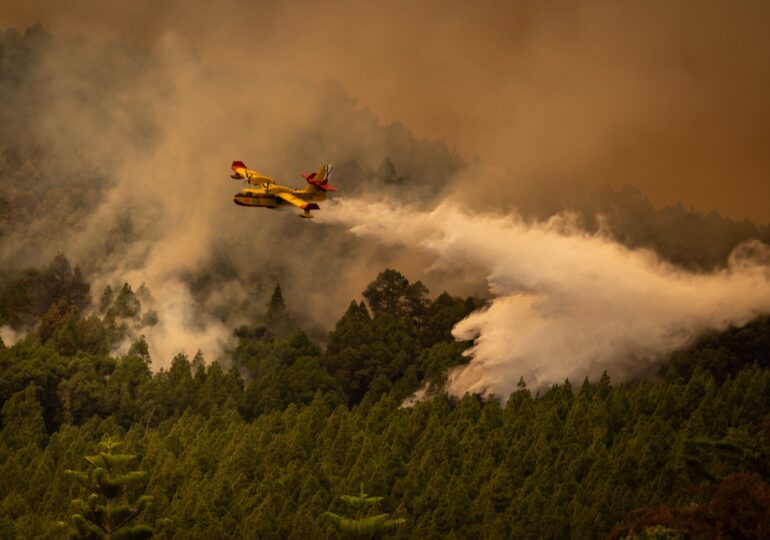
x,y
269,194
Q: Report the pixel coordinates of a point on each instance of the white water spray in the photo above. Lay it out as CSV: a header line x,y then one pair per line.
x,y
567,304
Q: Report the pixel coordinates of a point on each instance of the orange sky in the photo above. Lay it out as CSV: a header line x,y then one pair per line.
x,y
669,96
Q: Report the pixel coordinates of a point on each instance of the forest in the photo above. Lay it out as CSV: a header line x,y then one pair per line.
x,y
306,430
266,444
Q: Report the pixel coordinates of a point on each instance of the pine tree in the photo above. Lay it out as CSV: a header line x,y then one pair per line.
x,y
23,422
363,526
388,293
277,318
126,304
108,511
106,300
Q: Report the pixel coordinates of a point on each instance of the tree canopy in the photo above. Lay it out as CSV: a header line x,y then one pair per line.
x,y
264,442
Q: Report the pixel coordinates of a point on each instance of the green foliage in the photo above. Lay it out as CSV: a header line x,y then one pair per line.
x,y
282,371
734,503
126,304
23,422
388,293
658,532
75,335
110,504
736,507
141,349
56,291
108,297
443,314
554,465
738,450
391,351
258,448
277,319
122,314
363,525
392,293
723,354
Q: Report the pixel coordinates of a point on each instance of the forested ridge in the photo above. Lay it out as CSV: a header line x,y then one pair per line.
x,y
265,442
287,426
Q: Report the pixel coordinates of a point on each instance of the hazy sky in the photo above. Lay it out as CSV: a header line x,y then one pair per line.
x,y
670,96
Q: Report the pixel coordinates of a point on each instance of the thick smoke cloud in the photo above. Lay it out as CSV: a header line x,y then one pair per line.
x,y
566,304
8,335
667,96
125,165
133,111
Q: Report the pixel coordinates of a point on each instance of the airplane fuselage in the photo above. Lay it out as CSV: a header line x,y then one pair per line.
x,y
265,197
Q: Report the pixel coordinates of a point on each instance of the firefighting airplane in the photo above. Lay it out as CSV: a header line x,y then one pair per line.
x,y
270,194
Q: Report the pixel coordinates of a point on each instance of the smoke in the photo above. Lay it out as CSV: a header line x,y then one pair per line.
x,y
131,114
566,303
181,327
9,336
125,168
667,96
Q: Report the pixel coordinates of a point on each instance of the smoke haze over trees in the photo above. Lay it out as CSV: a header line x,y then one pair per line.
x,y
269,445
103,159
668,97
593,349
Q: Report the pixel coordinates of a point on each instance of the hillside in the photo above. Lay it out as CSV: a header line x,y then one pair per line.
x,y
258,375
264,446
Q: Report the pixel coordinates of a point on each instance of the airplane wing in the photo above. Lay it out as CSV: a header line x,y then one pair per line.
x,y
296,201
259,180
242,172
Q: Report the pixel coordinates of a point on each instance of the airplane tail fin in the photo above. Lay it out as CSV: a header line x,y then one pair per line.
x,y
319,181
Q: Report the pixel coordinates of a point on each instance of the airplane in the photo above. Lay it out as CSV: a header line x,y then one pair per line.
x,y
270,194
